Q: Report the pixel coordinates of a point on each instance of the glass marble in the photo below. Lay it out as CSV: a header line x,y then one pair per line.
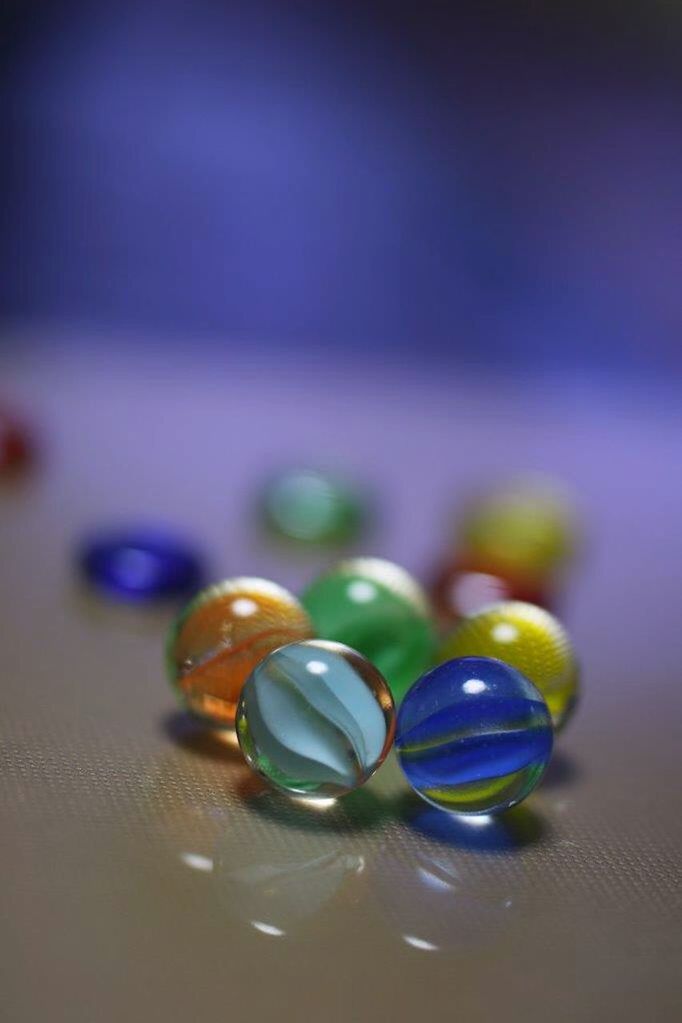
x,y
462,586
222,635
532,641
375,607
525,527
315,719
140,565
313,507
15,445
473,736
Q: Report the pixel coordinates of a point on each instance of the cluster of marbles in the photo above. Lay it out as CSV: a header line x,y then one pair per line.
x,y
475,734
317,719
319,691
370,606
310,686
468,683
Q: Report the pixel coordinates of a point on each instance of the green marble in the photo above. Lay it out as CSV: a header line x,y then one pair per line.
x,y
312,507
375,607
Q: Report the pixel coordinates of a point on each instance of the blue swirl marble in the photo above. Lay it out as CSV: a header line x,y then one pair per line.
x,y
473,736
315,718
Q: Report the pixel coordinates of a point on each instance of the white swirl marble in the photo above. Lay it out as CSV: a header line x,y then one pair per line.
x,y
315,717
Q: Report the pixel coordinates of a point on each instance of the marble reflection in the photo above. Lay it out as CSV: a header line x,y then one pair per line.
x,y
274,883
434,901
437,892
278,868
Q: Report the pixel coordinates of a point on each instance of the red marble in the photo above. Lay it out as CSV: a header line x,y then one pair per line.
x,y
463,585
15,445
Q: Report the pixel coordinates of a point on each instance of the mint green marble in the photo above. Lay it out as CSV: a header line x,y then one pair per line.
x,y
312,507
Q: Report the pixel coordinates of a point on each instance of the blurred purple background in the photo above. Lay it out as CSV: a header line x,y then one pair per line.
x,y
492,184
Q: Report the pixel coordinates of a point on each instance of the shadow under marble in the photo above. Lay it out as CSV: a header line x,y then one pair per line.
x,y
511,831
197,736
359,811
562,770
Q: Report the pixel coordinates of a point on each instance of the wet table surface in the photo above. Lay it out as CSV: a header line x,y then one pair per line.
x,y
148,875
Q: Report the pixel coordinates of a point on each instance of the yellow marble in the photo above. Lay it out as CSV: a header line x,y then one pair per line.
x,y
525,527
528,638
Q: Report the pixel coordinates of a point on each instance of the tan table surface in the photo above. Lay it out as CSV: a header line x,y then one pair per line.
x,y
147,876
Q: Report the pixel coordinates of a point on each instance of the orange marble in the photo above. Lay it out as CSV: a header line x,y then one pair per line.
x,y
222,635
